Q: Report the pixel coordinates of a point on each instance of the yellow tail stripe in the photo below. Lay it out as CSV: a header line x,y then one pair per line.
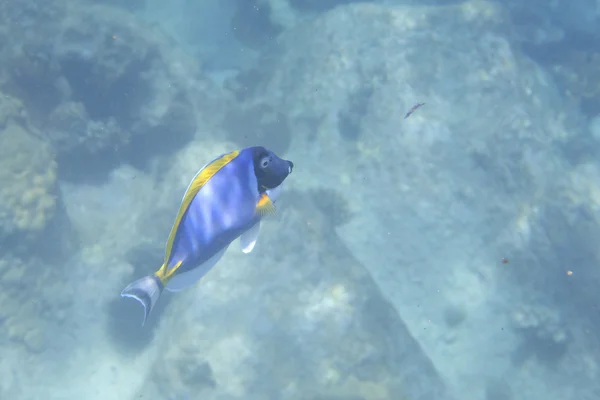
x,y
198,182
165,275
161,274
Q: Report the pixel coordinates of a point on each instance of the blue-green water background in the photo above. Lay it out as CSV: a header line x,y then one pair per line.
x,y
453,254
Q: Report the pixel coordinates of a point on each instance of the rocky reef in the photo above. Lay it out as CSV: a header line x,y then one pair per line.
x,y
381,277
487,153
33,232
106,81
83,88
304,321
543,331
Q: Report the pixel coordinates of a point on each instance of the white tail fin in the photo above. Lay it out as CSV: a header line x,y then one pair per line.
x,y
146,290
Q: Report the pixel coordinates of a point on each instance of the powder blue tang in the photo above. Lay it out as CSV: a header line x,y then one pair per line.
x,y
225,200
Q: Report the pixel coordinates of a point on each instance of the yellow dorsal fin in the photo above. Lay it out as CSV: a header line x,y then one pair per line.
x,y
265,206
203,176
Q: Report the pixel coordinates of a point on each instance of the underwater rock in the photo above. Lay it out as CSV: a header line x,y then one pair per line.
x,y
437,193
123,70
284,14
34,340
299,318
542,330
541,323
319,5
454,315
333,205
562,38
253,124
497,389
184,369
577,74
539,22
70,119
134,5
106,81
252,24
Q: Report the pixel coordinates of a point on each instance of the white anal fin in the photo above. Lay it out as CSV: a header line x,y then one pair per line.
x,y
188,278
248,239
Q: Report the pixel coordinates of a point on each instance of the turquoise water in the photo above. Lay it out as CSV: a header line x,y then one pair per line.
x,y
436,240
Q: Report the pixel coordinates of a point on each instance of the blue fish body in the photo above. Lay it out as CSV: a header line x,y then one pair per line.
x,y
219,213
225,200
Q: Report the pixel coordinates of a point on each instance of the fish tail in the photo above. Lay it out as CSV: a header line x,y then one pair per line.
x,y
146,290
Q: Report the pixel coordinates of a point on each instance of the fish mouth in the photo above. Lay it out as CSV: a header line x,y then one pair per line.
x,y
290,167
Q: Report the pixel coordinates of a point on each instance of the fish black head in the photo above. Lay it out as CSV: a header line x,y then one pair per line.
x,y
270,170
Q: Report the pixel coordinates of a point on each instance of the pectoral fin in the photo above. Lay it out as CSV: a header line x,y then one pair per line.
x,y
249,238
265,206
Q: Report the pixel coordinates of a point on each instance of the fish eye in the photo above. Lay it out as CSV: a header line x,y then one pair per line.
x,y
265,161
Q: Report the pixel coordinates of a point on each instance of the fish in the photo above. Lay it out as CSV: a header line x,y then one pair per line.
x,y
413,109
226,200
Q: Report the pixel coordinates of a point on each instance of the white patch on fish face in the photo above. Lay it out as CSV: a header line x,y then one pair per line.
x,y
275,192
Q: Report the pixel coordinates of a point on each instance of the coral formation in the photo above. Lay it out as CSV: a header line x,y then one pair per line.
x,y
77,79
27,173
28,204
104,80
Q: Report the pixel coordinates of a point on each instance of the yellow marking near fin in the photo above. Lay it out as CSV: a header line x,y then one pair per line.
x,y
265,206
165,275
161,274
197,183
